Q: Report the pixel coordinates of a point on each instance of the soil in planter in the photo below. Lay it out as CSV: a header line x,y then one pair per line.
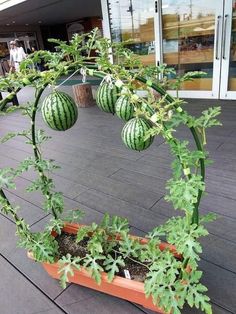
x,y
67,244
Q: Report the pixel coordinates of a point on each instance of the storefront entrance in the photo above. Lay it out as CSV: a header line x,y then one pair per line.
x,y
27,40
189,35
200,35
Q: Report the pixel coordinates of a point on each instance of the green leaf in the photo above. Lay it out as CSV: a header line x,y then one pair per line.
x,y
208,218
74,215
183,193
95,244
150,252
55,225
82,233
112,266
195,297
41,137
6,178
119,224
66,268
129,246
44,246
92,265
160,281
55,201
207,118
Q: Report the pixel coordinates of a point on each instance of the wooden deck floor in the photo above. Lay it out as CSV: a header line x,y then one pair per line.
x,y
99,174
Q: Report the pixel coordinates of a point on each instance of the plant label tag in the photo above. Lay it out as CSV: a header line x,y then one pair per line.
x,y
127,274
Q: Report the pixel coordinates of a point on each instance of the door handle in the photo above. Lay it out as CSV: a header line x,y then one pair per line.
x,y
224,36
217,36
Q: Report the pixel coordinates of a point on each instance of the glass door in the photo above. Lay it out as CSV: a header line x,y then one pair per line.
x,y
191,41
228,73
133,21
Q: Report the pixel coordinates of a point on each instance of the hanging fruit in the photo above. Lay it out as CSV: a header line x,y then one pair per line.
x,y
107,95
124,109
134,132
59,111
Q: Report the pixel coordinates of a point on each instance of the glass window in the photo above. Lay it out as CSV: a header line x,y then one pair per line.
x,y
134,20
3,50
188,38
232,65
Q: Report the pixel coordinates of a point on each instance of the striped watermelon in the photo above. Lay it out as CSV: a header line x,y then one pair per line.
x,y
59,111
106,97
133,134
124,109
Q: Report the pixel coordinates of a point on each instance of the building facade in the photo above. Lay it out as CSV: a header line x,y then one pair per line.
x,y
188,35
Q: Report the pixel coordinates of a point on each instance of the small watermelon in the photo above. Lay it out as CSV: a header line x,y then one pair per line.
x,y
59,111
106,97
133,134
124,109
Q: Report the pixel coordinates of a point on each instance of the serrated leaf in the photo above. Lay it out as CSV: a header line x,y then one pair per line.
x,y
6,178
129,246
74,215
112,266
82,232
92,265
66,265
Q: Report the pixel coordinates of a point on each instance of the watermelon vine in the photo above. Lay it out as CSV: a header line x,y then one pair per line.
x,y
172,280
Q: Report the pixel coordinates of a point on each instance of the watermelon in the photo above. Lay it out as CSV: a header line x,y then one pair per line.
x,y
133,134
59,111
107,96
124,109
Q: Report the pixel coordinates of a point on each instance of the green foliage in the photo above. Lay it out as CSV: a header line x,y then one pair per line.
x,y
112,266
129,246
55,225
54,201
183,193
74,215
194,291
66,268
109,245
179,232
115,224
207,119
42,244
160,282
41,137
7,178
11,135
82,233
208,217
92,265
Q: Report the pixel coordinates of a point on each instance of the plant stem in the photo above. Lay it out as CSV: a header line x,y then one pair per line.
x,y
33,118
132,259
34,143
16,218
169,98
9,98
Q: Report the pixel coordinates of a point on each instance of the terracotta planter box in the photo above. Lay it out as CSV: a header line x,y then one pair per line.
x,y
123,288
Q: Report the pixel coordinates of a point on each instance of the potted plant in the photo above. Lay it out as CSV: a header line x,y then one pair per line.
x,y
162,276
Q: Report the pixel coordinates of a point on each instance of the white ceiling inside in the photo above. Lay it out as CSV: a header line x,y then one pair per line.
x,y
50,12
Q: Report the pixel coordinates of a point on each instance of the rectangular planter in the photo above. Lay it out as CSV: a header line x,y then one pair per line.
x,y
120,287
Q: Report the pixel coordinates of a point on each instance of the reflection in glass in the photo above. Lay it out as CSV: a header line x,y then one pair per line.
x,y
3,49
188,38
232,66
133,20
